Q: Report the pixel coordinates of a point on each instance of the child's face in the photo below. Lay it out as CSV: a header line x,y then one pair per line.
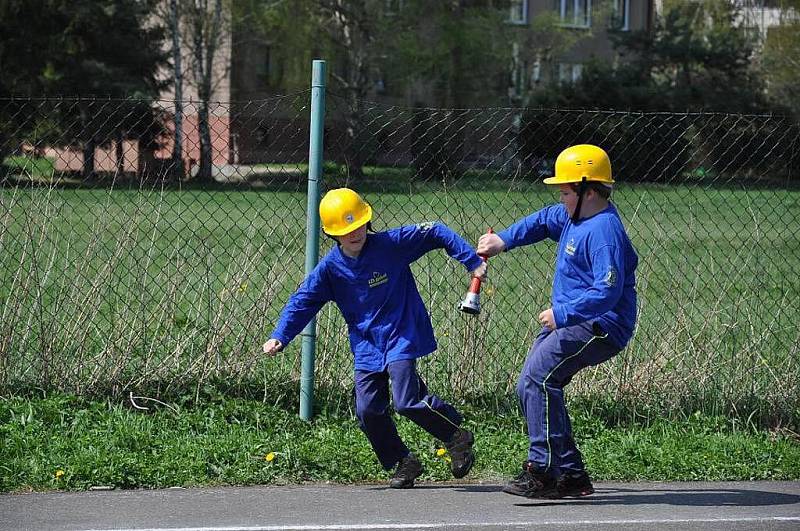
x,y
568,197
353,242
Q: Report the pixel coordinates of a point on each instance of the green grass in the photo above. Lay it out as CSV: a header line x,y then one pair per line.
x,y
226,441
109,290
31,167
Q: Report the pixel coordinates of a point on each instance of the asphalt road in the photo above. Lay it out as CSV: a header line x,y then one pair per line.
x,y
469,507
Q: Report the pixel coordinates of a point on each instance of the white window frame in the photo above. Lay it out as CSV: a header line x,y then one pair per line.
x,y
625,14
575,23
569,73
514,14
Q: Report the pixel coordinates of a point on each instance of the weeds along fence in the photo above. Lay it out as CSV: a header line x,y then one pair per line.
x,y
135,263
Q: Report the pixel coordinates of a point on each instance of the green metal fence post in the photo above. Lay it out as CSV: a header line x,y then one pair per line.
x,y
312,230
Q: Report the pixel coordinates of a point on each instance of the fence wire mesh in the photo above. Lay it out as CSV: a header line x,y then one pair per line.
x,y
129,268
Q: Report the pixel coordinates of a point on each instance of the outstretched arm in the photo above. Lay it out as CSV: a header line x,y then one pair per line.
x,y
545,223
303,305
416,240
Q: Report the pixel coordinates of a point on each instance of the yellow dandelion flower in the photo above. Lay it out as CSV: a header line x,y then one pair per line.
x,y
243,287
440,452
269,457
59,473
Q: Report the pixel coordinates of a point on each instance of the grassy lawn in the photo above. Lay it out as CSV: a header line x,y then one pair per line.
x,y
161,290
70,443
31,166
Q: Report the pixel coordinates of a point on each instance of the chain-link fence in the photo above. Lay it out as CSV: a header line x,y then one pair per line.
x,y
129,268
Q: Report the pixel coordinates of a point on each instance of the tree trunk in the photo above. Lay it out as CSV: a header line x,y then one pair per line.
x,y
206,160
119,153
451,153
177,146
351,29
206,37
4,152
354,156
88,158
88,145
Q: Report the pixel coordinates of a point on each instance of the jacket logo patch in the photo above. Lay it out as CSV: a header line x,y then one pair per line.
x,y
426,225
611,277
378,279
570,248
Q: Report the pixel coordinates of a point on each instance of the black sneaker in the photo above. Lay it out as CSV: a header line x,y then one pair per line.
x,y
407,471
573,485
461,455
531,483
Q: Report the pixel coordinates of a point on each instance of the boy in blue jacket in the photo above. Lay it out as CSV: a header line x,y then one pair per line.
x,y
367,275
591,319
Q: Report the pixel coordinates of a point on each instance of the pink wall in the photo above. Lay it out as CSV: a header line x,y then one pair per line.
x,y
105,159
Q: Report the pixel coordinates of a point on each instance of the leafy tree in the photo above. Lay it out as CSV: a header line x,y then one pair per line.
x,y
456,52
205,27
346,33
782,58
290,30
696,58
353,31
170,13
84,48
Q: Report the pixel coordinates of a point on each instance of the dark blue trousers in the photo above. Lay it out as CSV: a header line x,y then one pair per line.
x,y
411,399
556,356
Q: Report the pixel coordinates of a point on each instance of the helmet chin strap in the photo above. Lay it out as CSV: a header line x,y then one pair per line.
x,y
581,188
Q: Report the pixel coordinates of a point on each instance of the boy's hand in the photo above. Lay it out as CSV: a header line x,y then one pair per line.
x,y
547,319
490,244
272,347
480,271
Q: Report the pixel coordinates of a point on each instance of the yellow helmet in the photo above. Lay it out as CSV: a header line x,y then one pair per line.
x,y
583,160
342,211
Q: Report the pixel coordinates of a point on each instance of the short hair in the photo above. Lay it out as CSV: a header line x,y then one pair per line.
x,y
603,190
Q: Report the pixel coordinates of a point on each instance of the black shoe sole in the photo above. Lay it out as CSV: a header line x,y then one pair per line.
x,y
513,492
577,493
459,473
547,494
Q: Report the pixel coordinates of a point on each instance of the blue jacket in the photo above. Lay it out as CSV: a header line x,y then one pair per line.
x,y
376,293
595,267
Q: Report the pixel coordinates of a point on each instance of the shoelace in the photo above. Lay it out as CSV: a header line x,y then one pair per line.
x,y
404,468
524,477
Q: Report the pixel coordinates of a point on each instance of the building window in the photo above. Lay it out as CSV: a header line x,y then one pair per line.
x,y
520,78
569,73
380,85
576,13
536,72
393,7
264,65
621,15
518,12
